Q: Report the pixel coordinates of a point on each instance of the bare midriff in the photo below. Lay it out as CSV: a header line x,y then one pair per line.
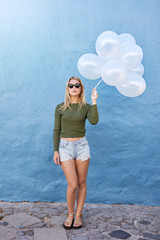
x,y
71,139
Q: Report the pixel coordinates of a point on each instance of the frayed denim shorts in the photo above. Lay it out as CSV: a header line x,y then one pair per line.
x,y
78,149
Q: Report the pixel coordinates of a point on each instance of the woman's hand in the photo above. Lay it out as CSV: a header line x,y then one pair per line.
x,y
94,95
56,158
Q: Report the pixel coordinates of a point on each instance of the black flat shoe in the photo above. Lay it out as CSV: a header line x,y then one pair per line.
x,y
77,221
69,221
68,227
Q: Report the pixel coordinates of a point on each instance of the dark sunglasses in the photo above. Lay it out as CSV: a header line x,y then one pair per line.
x,y
77,85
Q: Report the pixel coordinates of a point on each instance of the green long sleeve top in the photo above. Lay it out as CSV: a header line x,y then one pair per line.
x,y
70,123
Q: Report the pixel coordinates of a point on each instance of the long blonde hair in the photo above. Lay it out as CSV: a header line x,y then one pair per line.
x,y
67,99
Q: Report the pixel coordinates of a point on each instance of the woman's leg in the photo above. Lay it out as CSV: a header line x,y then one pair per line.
x,y
82,170
69,169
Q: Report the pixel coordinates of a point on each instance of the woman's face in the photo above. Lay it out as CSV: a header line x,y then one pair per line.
x,y
74,91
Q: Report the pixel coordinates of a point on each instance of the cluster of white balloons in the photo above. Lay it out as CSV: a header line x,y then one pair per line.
x,y
117,62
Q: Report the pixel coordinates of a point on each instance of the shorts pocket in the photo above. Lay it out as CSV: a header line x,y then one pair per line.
x,y
83,143
63,144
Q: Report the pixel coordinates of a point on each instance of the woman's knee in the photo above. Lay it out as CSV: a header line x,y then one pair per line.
x,y
72,187
82,184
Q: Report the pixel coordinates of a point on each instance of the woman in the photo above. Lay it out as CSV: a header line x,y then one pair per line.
x,y
71,150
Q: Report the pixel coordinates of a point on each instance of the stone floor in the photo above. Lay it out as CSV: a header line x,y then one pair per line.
x,y
43,221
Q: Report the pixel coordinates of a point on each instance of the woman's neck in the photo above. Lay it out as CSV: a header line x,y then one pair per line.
x,y
74,100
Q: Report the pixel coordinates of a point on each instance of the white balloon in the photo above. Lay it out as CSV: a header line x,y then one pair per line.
x,y
90,65
138,69
108,45
133,87
132,56
126,39
118,63
113,72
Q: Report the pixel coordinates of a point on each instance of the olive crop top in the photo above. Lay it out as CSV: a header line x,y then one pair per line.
x,y
70,123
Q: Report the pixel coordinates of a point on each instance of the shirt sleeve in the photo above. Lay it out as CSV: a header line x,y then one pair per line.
x,y
57,129
92,114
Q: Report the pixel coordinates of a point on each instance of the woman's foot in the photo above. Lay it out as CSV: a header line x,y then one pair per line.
x,y
78,221
69,221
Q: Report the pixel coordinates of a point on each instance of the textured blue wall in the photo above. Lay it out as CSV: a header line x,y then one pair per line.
x,y
40,43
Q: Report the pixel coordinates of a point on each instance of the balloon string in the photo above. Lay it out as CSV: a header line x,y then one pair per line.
x,y
98,83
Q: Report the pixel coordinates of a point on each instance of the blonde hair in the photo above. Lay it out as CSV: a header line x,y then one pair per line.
x,y
67,99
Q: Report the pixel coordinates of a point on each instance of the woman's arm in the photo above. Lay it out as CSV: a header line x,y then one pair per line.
x,y
92,114
57,129
56,136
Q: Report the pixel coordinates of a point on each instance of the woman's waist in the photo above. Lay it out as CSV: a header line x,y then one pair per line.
x,y
72,139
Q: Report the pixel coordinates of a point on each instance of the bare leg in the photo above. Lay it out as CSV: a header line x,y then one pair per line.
x,y
82,170
69,169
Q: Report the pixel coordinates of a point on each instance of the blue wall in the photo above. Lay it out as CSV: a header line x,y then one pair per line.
x,y
40,43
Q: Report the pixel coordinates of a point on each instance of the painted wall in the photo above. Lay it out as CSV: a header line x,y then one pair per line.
x,y
40,43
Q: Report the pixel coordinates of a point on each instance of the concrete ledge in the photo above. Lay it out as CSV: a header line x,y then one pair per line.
x,y
43,220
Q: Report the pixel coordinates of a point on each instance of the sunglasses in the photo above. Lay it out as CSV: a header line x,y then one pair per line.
x,y
77,85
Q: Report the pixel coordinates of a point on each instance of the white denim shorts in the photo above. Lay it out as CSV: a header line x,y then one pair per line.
x,y
78,149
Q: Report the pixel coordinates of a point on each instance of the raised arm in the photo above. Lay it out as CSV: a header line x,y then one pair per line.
x,y
92,114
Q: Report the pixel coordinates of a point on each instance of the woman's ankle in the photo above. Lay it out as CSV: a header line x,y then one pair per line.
x,y
78,214
70,214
